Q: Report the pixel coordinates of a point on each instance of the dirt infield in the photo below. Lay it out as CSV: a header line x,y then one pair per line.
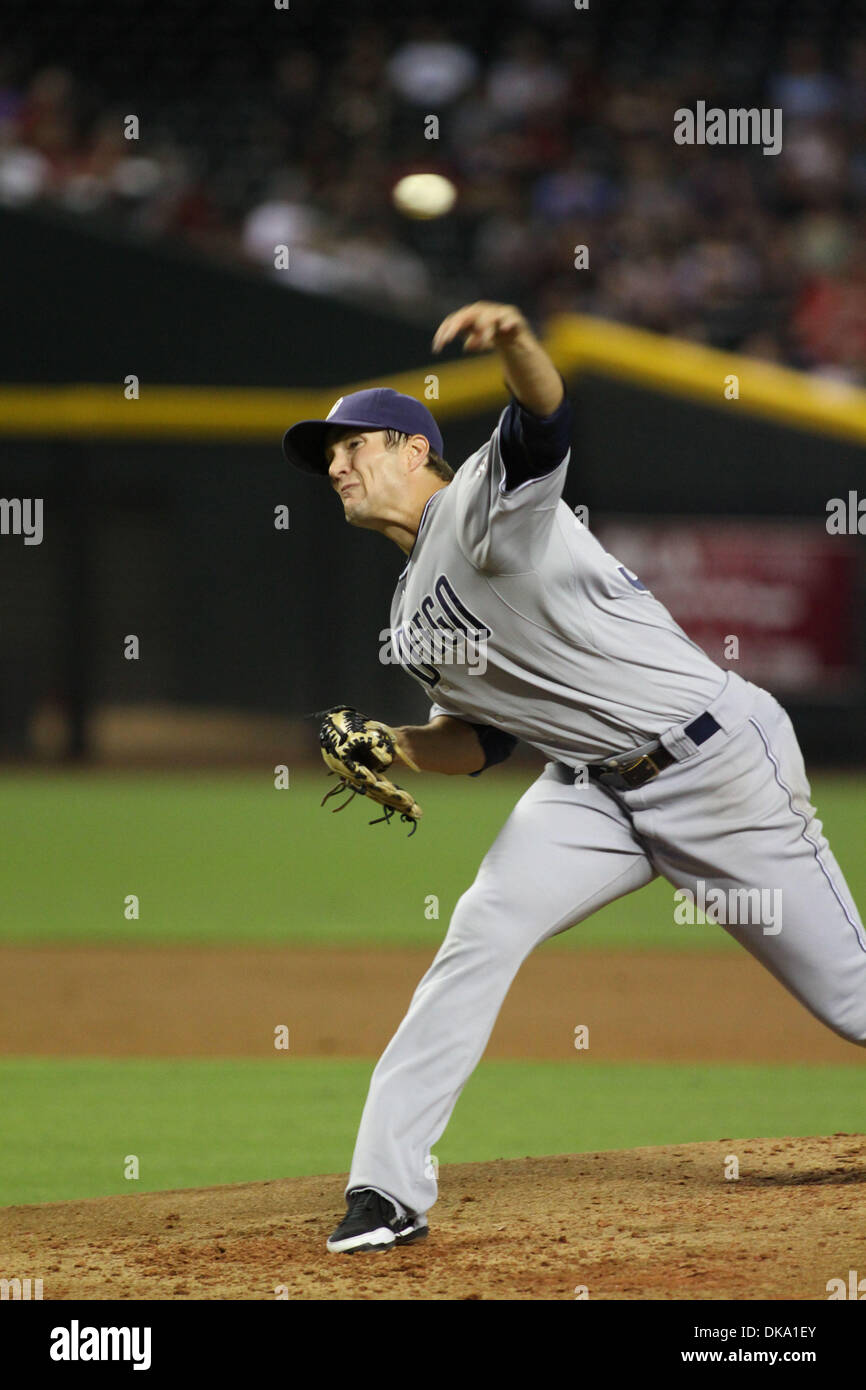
x,y
651,1223
219,1002
658,1223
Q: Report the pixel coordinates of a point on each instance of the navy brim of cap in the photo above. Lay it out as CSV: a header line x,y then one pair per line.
x,y
304,443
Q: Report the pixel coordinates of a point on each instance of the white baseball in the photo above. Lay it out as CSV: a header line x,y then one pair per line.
x,y
424,195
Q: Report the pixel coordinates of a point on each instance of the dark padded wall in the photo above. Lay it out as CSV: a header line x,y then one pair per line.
x,y
176,542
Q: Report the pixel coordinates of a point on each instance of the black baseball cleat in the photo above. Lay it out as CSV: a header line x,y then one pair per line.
x,y
372,1223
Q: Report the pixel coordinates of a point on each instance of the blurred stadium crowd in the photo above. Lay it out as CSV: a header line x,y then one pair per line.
x,y
555,124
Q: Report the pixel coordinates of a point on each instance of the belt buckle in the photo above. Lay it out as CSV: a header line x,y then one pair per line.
x,y
645,761
630,775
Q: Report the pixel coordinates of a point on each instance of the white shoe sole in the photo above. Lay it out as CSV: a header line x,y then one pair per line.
x,y
381,1239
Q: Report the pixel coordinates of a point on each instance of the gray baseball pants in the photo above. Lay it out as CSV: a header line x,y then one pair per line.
x,y
732,814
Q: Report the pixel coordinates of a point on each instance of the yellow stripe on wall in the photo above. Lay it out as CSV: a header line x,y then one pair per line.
x,y
577,344
229,413
675,367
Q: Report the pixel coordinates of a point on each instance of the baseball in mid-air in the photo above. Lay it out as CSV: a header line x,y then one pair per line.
x,y
424,196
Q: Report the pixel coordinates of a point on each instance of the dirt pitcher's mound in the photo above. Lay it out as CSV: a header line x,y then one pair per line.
x,y
650,1223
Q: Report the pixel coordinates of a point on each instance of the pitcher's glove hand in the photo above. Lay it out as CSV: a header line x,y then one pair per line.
x,y
358,750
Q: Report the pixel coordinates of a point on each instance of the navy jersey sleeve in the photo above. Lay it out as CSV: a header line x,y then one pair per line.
x,y
496,746
533,445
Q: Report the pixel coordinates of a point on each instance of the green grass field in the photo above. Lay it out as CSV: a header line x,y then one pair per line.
x,y
68,1126
227,858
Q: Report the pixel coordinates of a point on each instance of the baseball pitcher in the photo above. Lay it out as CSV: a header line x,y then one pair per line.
x,y
520,626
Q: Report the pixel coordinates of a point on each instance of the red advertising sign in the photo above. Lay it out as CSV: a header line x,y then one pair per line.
x,y
776,601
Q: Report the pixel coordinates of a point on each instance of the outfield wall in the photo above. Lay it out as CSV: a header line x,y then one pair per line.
x,y
173,539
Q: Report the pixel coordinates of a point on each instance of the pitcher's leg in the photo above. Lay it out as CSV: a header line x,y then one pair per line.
x,y
563,852
819,949
749,827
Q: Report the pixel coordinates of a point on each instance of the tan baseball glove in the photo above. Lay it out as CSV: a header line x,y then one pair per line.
x,y
358,750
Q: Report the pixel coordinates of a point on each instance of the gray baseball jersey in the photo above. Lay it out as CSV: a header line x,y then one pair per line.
x,y
512,614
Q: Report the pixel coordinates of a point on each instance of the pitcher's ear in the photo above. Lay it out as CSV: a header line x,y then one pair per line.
x,y
420,447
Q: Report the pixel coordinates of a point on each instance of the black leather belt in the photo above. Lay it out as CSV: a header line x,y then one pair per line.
x,y
625,775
